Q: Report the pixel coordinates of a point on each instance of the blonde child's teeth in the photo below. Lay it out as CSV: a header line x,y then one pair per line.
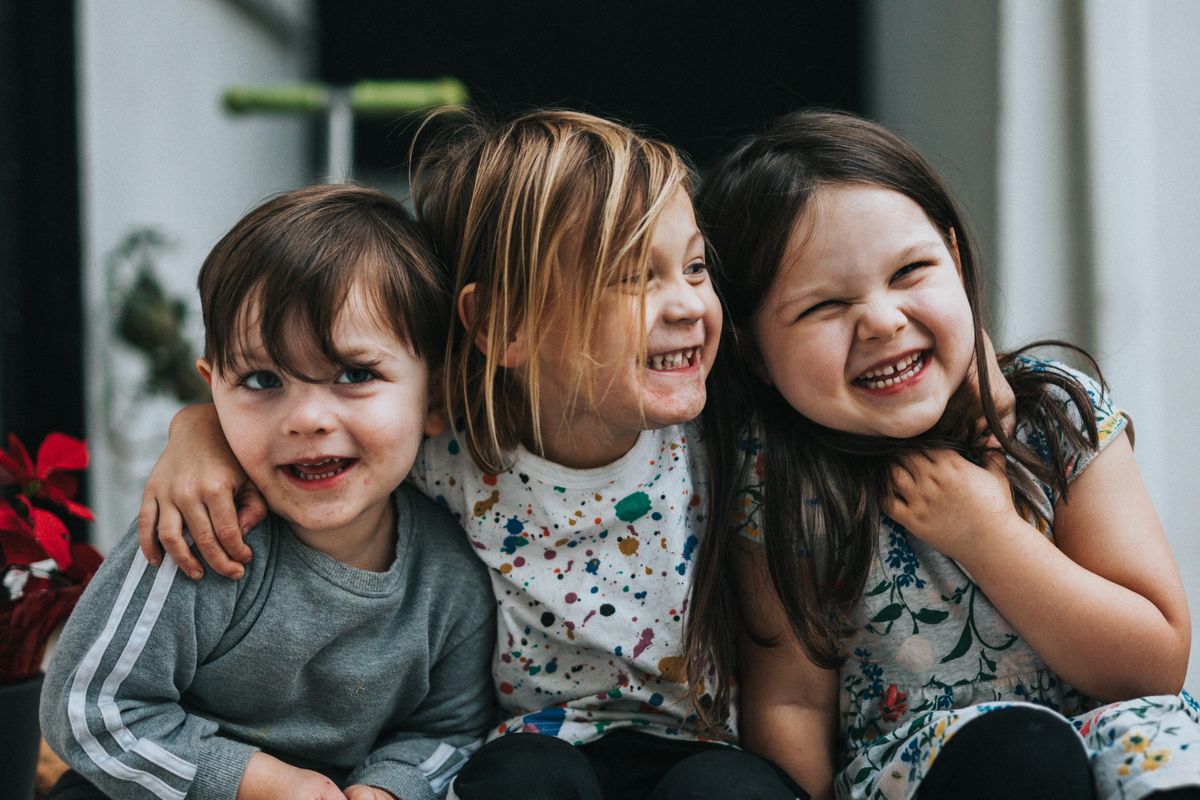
x,y
671,360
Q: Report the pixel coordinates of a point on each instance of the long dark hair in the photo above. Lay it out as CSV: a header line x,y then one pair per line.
x,y
823,489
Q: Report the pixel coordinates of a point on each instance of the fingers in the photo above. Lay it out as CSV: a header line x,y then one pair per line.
x,y
170,534
252,507
228,532
204,536
147,521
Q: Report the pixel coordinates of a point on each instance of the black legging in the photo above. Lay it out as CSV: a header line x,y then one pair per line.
x,y
623,765
1008,753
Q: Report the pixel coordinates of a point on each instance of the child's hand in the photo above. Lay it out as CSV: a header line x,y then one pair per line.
x,y
194,485
950,503
361,792
268,778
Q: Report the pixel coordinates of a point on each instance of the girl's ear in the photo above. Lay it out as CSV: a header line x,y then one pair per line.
x,y
205,370
514,355
954,251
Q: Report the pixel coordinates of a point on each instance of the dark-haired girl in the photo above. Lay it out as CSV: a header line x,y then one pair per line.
x,y
931,597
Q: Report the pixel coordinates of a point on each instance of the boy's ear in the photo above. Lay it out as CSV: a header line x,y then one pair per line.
x,y
515,354
205,370
436,418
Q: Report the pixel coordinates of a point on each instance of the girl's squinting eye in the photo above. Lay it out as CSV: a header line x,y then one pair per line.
x,y
355,375
908,269
258,381
826,304
696,268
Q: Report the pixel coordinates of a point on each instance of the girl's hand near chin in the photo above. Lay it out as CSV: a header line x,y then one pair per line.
x,y
957,507
1002,394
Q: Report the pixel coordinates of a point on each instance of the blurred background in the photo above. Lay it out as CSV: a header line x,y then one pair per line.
x,y
1067,128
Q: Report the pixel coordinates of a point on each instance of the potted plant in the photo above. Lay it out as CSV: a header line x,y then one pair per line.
x,y
42,574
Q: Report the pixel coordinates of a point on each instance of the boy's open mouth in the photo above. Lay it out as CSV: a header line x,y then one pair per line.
x,y
320,470
892,374
676,360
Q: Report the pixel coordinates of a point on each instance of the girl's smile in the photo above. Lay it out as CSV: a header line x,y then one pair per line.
x,y
867,328
681,317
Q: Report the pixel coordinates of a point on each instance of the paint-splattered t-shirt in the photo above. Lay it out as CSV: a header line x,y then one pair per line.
x,y
591,570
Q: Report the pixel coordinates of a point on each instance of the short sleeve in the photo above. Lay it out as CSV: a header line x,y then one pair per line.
x,y
1110,421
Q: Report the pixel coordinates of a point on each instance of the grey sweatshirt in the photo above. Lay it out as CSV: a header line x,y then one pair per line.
x,y
162,687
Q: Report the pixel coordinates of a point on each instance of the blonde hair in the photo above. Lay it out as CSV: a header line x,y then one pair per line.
x,y
541,213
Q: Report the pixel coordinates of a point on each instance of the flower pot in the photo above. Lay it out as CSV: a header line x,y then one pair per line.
x,y
20,735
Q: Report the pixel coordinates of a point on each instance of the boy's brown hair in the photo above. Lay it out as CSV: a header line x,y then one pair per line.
x,y
296,259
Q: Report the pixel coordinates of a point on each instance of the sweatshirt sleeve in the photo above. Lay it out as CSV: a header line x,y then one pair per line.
x,y
418,760
111,702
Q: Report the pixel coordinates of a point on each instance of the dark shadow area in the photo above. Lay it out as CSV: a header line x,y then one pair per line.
x,y
696,73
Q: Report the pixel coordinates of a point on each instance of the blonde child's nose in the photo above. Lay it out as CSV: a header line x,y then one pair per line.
x,y
684,302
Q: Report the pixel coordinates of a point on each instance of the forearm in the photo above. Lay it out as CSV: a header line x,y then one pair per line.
x,y
1103,638
799,739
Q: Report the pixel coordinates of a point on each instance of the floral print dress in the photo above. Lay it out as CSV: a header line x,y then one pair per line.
x,y
932,653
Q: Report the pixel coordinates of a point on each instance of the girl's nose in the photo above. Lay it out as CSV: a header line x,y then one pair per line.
x,y
310,411
684,303
881,320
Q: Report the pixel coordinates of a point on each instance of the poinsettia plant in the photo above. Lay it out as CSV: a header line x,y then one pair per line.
x,y
43,572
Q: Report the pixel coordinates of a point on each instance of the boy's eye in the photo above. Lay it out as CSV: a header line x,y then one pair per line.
x,y
355,375
258,381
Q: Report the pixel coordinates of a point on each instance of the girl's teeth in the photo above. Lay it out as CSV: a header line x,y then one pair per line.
x,y
671,360
903,369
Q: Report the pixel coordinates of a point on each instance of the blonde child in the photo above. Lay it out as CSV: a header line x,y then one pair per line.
x,y
355,650
901,581
587,326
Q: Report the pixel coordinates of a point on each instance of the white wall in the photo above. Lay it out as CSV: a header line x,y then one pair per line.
x,y
158,150
1068,130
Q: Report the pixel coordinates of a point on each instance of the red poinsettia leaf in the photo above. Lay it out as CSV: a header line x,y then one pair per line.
x,y
10,520
80,510
58,486
19,547
61,452
52,536
85,560
22,466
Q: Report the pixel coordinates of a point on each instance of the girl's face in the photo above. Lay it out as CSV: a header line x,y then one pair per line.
x,y
867,328
683,325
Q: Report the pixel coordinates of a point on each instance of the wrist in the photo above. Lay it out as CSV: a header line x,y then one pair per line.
x,y
1000,535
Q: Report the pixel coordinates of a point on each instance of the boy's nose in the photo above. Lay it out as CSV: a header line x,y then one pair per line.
x,y
881,320
309,412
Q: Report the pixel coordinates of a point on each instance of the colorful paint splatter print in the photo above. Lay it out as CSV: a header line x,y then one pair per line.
x,y
591,571
932,654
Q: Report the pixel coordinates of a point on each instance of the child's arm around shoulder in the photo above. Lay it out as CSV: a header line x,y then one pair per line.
x,y
194,485
1103,603
788,706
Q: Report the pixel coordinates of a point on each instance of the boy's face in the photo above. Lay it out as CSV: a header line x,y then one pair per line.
x,y
326,455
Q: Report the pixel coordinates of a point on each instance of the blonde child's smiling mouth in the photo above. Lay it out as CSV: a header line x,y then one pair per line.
x,y
894,375
674,361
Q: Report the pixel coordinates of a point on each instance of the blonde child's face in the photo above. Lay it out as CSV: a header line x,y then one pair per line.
x,y
867,328
327,455
682,321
